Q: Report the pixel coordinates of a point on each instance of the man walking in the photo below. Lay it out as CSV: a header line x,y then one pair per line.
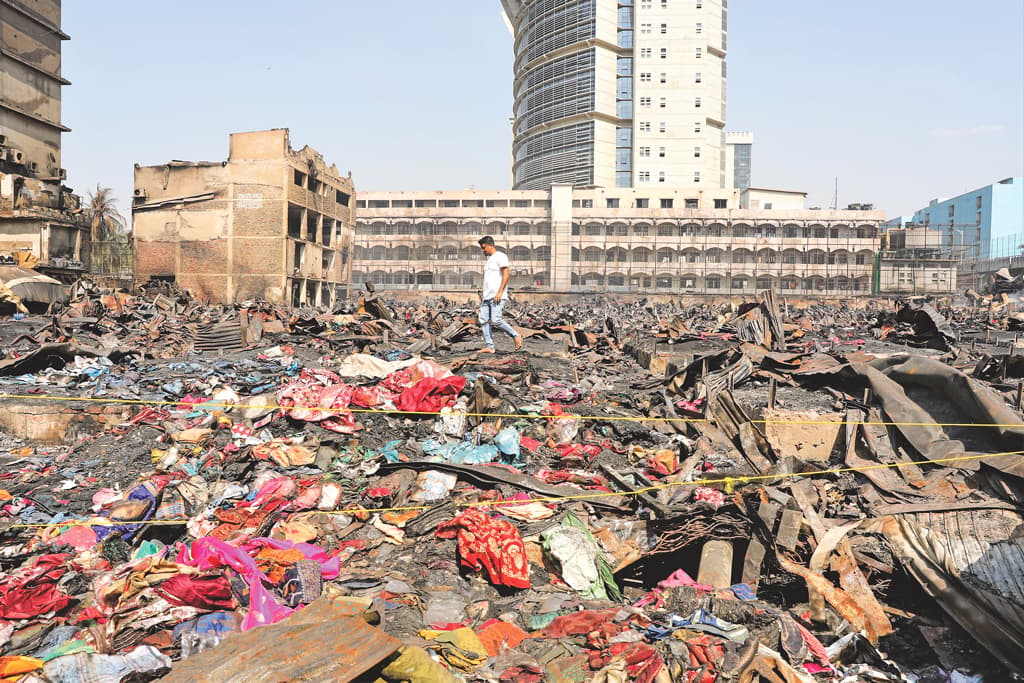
x,y
495,294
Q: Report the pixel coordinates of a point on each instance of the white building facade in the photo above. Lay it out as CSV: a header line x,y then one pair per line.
x,y
567,240
619,93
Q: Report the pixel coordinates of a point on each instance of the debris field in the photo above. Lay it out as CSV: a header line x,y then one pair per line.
x,y
774,491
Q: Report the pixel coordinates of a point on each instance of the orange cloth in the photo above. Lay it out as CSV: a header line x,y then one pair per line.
x,y
500,635
13,667
274,563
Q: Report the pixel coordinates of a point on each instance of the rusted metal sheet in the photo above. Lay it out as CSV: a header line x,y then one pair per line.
x,y
317,643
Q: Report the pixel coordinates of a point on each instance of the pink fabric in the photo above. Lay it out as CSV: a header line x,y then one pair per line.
x,y
681,578
209,553
319,396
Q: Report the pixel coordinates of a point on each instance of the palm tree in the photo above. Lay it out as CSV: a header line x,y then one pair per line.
x,y
105,220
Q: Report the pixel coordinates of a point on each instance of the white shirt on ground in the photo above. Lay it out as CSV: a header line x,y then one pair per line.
x,y
492,275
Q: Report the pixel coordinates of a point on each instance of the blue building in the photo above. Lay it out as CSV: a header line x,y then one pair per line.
x,y
982,224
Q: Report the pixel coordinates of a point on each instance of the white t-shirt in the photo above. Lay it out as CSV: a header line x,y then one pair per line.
x,y
492,275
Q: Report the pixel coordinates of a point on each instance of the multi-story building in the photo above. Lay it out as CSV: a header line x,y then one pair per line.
x,y
270,223
981,224
567,239
39,220
914,260
619,93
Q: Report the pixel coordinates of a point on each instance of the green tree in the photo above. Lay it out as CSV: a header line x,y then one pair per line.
x,y
107,223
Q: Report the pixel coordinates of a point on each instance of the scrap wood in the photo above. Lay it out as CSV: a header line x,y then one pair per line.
x,y
846,605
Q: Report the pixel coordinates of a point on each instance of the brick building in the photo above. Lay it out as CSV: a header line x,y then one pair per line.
x,y
270,222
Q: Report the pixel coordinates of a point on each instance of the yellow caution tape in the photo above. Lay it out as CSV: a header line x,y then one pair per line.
x,y
728,483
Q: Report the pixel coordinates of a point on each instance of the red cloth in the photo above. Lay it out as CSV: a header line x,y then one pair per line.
x,y
205,592
642,661
431,394
489,543
578,623
29,592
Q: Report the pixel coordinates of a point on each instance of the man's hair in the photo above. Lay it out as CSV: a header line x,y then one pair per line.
x,y
486,239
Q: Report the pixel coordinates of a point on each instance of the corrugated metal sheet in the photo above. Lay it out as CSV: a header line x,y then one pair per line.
x,y
318,643
973,564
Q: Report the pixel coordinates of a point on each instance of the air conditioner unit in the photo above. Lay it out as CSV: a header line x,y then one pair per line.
x,y
140,194
61,173
15,156
32,166
3,140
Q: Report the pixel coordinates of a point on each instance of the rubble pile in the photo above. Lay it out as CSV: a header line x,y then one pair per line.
x,y
647,492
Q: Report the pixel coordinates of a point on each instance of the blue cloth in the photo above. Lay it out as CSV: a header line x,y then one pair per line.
x,y
490,314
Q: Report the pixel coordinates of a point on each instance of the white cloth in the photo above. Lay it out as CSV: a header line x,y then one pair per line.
x,y
492,275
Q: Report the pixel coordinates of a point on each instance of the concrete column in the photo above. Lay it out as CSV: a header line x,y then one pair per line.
x,y
561,237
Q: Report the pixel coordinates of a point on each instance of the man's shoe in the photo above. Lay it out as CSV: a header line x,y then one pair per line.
x,y
518,342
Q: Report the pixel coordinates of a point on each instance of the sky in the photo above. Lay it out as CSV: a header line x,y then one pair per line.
x,y
902,101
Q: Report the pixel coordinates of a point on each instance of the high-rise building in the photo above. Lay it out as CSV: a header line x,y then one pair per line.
x,y
619,93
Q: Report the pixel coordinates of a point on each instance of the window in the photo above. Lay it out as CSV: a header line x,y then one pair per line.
x,y
645,29
977,202
664,4
696,127
977,218
700,53
664,29
664,78
662,127
696,151
642,203
645,176
696,77
696,102
645,76
645,101
661,176
699,4
692,204
611,203
664,53
645,126
663,103
645,151
645,53
661,152
700,28
714,282
587,204
724,204
952,210
645,4
666,203
696,176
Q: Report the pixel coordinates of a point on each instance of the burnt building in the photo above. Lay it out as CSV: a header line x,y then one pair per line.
x,y
41,222
269,223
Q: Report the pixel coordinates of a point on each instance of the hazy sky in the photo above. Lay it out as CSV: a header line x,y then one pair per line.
x,y
903,100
